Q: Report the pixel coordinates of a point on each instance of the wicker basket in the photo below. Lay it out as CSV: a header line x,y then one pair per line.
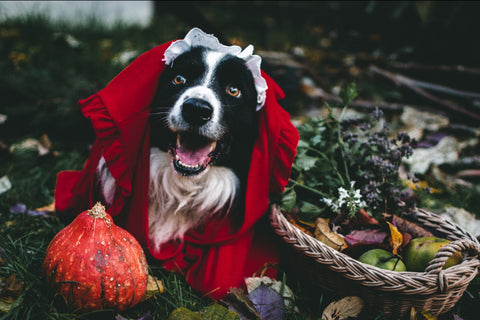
x,y
392,293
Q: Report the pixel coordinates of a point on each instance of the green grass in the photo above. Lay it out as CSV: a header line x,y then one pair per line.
x,y
41,79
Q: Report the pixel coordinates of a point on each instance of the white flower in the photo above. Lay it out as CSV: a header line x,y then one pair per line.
x,y
350,200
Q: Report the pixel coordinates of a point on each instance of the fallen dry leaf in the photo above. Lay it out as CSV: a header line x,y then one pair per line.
x,y
395,239
365,237
348,307
281,288
268,302
44,145
324,234
423,315
48,208
11,289
237,301
362,218
154,286
298,225
5,184
406,226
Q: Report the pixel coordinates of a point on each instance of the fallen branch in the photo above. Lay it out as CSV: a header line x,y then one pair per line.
x,y
471,173
316,93
432,86
417,66
412,85
364,104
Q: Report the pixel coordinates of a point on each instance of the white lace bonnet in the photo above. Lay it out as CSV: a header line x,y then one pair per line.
x,y
197,37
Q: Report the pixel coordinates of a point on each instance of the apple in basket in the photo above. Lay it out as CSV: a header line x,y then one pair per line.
x,y
420,251
383,259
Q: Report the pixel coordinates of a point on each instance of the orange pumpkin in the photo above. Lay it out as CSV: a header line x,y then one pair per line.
x,y
95,264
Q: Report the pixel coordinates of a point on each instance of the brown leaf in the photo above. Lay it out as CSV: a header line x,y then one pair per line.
x,y
154,286
406,238
324,234
44,145
362,218
412,228
348,307
12,289
298,225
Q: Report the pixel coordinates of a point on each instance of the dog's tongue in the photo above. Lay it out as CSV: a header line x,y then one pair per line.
x,y
192,153
193,156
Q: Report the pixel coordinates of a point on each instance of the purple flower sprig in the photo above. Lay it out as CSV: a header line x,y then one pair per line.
x,y
336,153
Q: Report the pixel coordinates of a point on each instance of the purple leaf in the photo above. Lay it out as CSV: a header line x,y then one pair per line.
x,y
35,213
368,236
432,140
455,317
18,208
269,303
146,316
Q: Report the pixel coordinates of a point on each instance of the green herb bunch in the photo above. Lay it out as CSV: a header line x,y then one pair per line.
x,y
344,165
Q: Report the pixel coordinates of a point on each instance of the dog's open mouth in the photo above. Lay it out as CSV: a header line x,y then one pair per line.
x,y
193,153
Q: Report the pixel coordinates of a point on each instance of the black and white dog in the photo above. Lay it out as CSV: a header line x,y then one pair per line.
x,y
203,127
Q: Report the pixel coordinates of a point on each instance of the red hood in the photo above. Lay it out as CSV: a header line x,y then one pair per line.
x,y
119,115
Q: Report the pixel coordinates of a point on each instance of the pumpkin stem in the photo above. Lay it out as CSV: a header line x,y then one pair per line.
x,y
97,211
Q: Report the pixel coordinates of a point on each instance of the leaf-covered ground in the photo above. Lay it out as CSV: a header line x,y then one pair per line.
x,y
45,68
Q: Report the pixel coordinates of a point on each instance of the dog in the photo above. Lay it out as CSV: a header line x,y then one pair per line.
x,y
203,126
191,141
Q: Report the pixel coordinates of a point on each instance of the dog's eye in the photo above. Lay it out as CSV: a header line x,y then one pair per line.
x,y
233,91
179,79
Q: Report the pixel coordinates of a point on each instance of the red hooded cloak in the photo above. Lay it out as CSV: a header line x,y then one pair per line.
x,y
220,254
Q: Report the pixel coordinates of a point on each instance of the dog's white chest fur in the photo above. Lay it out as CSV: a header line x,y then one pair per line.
x,y
178,203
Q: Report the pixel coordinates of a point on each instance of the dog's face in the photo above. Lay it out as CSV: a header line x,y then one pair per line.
x,y
204,112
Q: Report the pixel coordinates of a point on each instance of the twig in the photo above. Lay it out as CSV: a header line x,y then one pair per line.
x,y
417,66
401,80
364,104
434,87
381,105
471,173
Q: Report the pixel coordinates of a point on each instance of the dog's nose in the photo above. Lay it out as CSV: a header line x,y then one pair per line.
x,y
196,112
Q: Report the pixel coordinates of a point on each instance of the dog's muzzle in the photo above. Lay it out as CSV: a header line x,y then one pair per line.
x,y
193,151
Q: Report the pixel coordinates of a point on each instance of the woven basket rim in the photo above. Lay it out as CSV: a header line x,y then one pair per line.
x,y
408,282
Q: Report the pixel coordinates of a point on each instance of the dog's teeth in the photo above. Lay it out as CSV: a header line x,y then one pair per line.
x,y
178,140
213,145
177,157
188,165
